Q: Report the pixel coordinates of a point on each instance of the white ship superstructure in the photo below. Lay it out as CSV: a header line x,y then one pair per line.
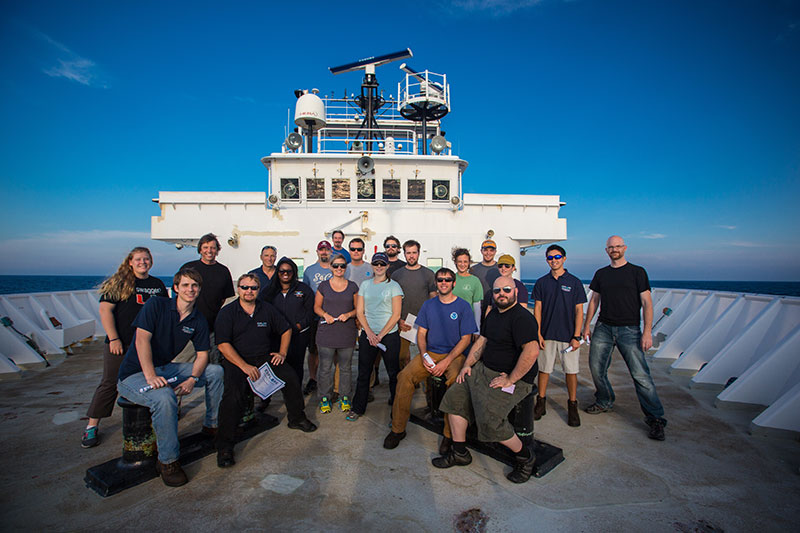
x,y
371,167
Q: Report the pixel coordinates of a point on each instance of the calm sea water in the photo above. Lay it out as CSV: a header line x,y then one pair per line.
x,y
19,284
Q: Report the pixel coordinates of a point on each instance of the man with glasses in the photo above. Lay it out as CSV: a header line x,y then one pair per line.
x,y
358,270
446,325
266,271
486,270
623,289
391,246
559,298
506,265
245,331
338,238
498,373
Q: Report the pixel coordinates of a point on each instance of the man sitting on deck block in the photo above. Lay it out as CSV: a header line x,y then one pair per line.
x,y
446,324
498,373
163,327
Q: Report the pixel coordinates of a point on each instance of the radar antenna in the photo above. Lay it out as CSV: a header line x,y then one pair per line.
x,y
431,103
370,101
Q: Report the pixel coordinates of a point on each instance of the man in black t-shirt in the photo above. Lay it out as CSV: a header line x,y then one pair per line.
x,y
217,285
624,290
498,373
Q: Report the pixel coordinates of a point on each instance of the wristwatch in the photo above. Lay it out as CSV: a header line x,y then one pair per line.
x,y
576,338
195,378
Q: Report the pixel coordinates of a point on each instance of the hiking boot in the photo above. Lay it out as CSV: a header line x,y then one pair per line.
x,y
523,468
225,458
344,403
305,425
541,407
393,439
596,409
445,446
573,418
172,474
324,405
656,429
310,387
90,438
452,459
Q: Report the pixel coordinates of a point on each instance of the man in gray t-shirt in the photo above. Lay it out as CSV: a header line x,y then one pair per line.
x,y
418,284
358,270
486,270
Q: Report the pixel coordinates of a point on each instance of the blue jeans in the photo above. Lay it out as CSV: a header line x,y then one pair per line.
x,y
163,402
628,340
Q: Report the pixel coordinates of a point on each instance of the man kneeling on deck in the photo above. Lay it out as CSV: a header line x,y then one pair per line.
x,y
163,328
498,373
446,324
245,329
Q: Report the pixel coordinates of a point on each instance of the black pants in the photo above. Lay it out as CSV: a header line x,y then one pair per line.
x,y
296,355
366,361
234,398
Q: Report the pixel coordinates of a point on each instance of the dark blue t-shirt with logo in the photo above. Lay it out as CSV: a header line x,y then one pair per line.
x,y
160,317
446,323
250,335
559,298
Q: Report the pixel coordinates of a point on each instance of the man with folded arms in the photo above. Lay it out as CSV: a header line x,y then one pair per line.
x,y
245,329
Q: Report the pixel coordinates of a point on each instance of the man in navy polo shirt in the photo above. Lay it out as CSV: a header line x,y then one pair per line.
x,y
245,329
163,327
559,311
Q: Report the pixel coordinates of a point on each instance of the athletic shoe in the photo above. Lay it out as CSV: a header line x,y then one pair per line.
x,y
393,439
541,407
656,429
352,416
523,468
452,459
324,405
595,409
90,438
305,425
344,403
172,474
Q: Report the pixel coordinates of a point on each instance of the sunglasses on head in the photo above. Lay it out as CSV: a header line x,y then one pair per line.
x,y
249,287
444,280
506,290
356,249
339,265
284,271
379,264
551,257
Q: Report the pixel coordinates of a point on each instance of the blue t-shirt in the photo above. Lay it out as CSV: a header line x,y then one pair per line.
x,y
343,252
378,302
559,298
446,323
316,274
160,317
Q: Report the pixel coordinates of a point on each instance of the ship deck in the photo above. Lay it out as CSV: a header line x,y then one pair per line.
x,y
709,475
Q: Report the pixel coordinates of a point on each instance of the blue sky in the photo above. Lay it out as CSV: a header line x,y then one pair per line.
x,y
673,123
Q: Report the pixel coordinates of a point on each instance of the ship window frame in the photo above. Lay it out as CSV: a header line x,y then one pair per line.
x,y
368,198
435,183
409,183
308,189
348,189
297,184
399,189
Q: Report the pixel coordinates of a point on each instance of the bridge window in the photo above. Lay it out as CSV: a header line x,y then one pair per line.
x,y
391,189
441,190
315,189
366,189
290,188
416,189
340,188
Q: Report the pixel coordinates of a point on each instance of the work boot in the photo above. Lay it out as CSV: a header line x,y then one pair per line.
x,y
541,407
523,468
573,418
172,474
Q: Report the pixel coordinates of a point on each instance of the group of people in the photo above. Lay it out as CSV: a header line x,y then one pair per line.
x,y
472,330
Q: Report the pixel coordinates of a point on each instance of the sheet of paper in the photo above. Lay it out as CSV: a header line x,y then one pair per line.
x,y
410,335
267,383
510,388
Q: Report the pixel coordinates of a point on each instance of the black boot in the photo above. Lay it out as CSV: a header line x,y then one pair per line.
x,y
573,419
541,407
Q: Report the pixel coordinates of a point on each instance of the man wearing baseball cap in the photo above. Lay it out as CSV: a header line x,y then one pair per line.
x,y
313,276
506,265
486,270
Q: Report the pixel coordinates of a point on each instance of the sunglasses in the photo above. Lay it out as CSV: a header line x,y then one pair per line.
x,y
339,265
505,266
506,290
551,257
392,246
379,264
289,272
444,280
356,249
249,287
488,248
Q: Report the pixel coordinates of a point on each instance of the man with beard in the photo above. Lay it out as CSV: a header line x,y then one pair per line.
x,y
266,272
338,238
624,290
313,276
391,246
498,373
418,284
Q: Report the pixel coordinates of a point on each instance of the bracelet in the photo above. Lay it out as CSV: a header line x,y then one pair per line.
x,y
112,340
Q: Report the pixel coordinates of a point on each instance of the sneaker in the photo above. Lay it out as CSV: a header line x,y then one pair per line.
x,y
596,409
324,405
452,459
393,439
352,416
225,458
172,474
90,437
523,468
541,407
656,429
573,418
344,403
445,446
310,387
305,425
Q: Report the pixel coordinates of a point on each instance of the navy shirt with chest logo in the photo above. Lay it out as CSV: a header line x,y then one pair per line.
x,y
559,298
160,317
250,335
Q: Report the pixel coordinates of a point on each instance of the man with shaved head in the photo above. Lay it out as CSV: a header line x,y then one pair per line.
x,y
624,290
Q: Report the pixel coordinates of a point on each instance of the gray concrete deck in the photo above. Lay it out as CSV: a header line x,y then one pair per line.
x,y
709,473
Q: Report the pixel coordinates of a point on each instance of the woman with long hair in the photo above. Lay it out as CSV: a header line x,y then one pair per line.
x,y
378,309
335,303
121,297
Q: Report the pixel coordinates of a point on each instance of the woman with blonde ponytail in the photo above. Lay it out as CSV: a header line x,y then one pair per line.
x,y
121,297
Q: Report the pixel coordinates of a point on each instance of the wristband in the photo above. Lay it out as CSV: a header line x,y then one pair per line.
x,y
112,340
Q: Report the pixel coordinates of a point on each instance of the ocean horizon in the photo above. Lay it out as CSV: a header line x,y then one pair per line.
x,y
16,284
